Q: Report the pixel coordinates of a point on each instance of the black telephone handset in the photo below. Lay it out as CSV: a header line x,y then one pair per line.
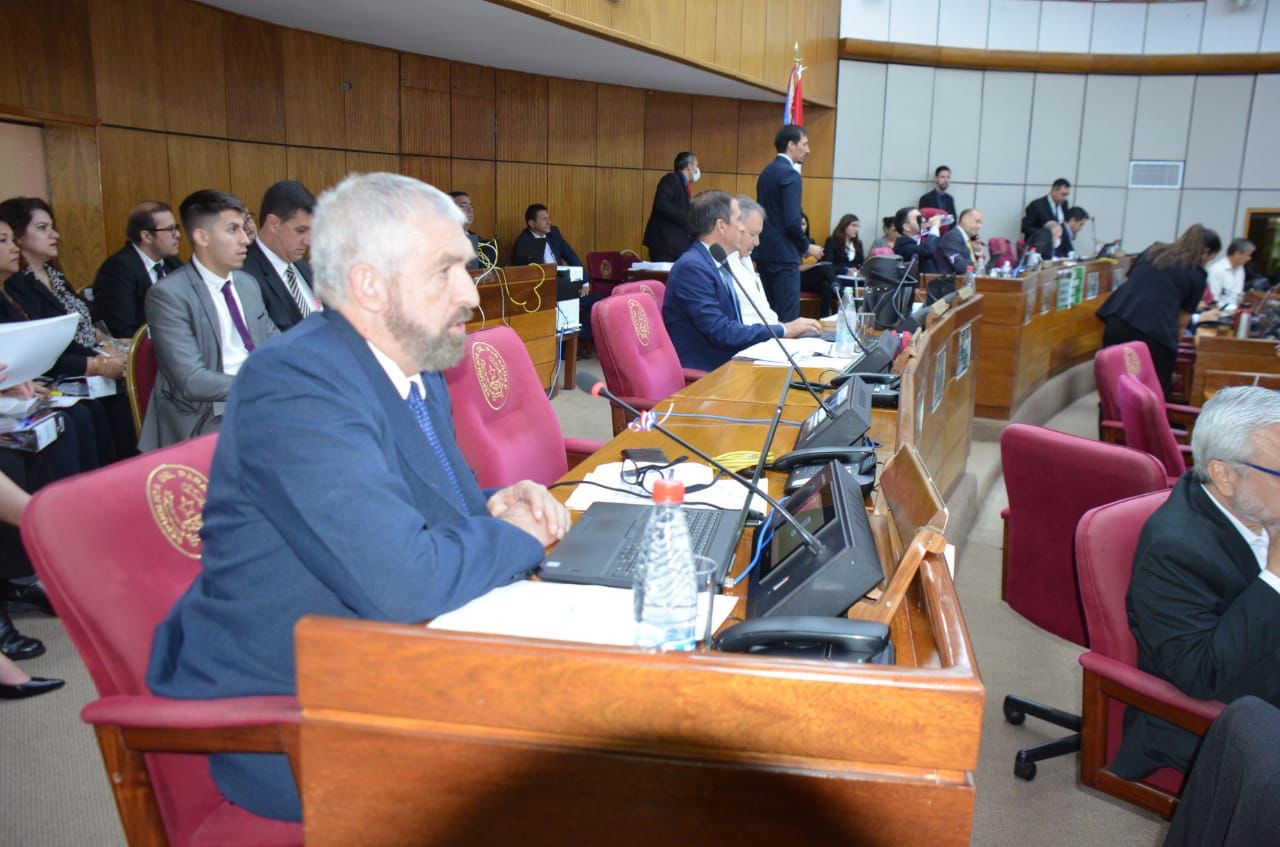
x,y
821,455
810,636
873,379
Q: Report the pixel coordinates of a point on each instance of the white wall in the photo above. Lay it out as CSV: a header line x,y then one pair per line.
x,y
1007,136
1068,26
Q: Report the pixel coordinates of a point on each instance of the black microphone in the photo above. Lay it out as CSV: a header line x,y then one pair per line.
x,y
717,253
592,384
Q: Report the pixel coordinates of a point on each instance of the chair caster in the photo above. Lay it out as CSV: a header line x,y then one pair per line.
x,y
1015,716
1023,769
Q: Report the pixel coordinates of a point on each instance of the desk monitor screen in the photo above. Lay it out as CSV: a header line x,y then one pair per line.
x,y
789,579
851,405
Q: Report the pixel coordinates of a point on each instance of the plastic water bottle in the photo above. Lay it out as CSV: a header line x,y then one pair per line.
x,y
665,582
846,325
970,279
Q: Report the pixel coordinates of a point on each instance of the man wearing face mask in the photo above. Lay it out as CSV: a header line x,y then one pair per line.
x,y
667,232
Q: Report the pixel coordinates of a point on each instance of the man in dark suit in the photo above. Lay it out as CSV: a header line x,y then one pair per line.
x,y
1076,219
337,487
667,232
783,242
276,260
486,248
938,198
701,309
917,238
541,243
1204,603
1052,207
1047,240
121,285
961,247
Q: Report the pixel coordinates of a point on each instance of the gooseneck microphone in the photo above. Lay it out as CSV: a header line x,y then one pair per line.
x,y
592,384
717,253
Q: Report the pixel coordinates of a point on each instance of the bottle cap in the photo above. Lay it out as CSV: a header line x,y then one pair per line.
x,y
668,491
969,268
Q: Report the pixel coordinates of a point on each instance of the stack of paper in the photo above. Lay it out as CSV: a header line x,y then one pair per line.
x,y
808,353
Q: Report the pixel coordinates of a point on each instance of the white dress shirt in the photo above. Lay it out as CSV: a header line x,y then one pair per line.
x,y
148,263
233,350
281,266
399,380
548,256
1225,282
745,273
1259,542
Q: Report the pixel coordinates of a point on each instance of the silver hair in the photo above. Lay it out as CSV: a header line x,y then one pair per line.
x,y
747,205
371,219
1226,425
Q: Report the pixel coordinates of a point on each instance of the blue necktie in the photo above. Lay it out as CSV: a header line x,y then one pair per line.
x,y
419,409
726,276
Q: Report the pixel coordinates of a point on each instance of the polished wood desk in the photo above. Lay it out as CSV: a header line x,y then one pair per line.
x,y
415,736
1225,360
523,298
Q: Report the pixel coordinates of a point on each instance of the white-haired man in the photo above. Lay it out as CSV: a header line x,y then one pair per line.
x,y
1204,603
751,289
337,487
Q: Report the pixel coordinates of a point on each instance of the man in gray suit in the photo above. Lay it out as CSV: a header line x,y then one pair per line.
x,y
205,319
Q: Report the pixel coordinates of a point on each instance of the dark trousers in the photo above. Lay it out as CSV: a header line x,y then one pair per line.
x,y
781,282
820,279
31,471
1119,332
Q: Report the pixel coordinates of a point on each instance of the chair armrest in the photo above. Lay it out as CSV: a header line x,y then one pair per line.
x,y
1181,416
692,375
577,449
1145,690
1111,432
164,713
1005,513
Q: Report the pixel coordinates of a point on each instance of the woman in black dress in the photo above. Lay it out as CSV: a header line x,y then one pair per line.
x,y
1157,302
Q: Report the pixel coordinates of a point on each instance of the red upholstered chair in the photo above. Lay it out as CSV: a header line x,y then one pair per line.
x,y
1106,540
140,375
1052,479
1132,358
652,287
504,424
1000,249
1146,428
115,549
639,361
606,270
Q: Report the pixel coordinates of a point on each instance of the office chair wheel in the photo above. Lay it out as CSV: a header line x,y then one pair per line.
x,y
1015,716
1023,769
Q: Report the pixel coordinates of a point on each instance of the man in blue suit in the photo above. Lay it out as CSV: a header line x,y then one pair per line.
x,y
783,242
701,309
337,487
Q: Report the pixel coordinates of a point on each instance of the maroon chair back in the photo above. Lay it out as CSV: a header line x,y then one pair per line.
x,y
652,287
636,354
1110,363
140,375
115,549
1052,479
504,423
607,270
1146,425
1000,249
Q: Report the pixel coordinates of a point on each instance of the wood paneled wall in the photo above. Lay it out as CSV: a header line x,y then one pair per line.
x,y
245,103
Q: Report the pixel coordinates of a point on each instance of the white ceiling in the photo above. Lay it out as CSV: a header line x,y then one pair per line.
x,y
483,33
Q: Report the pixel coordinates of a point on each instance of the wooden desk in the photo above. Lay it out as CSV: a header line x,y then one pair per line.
x,y
523,298
1218,356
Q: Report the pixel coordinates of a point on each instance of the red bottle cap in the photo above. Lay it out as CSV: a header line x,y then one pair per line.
x,y
668,491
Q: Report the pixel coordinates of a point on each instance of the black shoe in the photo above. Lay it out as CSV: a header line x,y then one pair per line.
x,y
14,644
19,597
34,688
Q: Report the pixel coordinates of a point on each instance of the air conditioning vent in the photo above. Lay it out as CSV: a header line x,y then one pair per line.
x,y
1155,174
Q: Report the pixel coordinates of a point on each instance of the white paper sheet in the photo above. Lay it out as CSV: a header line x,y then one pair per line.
x,y
808,352
592,614
725,494
29,348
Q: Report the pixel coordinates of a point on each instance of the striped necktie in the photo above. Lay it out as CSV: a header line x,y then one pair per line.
x,y
295,291
419,408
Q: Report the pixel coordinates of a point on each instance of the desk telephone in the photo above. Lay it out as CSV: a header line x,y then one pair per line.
x,y
810,637
807,461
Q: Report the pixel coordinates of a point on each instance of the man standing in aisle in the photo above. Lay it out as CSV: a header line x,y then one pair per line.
x,y
783,243
938,198
1052,207
667,232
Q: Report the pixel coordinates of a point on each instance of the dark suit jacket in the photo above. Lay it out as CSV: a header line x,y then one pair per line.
x,y
71,362
1151,299
701,313
280,306
907,247
951,253
1038,212
528,249
936,199
1203,620
1066,244
779,190
324,498
120,291
833,252
667,232
1042,241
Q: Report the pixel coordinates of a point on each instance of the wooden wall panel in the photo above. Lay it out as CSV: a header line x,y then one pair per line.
x,y
824,58
429,169
196,163
571,199
473,111
76,197
425,72
373,100
253,168
717,182
314,108
193,67
133,166
778,54
316,169
571,121
592,11
751,61
728,34
714,135
521,117
821,125
49,56
619,126
758,123
129,80
517,186
255,80
477,178
667,127
634,20
368,163
424,122
620,202
666,28
817,205
747,184
700,30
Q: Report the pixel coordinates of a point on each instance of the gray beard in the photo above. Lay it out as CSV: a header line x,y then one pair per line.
x,y
430,352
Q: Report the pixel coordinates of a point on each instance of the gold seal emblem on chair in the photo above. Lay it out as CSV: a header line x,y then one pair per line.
x,y
639,320
491,373
176,494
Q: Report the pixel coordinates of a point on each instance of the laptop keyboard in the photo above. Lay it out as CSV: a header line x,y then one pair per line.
x,y
702,526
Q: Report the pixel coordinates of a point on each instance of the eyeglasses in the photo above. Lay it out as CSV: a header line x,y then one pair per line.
x,y
174,230
1270,471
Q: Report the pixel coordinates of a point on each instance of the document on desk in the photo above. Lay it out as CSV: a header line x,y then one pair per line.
x,y
724,494
808,352
559,611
